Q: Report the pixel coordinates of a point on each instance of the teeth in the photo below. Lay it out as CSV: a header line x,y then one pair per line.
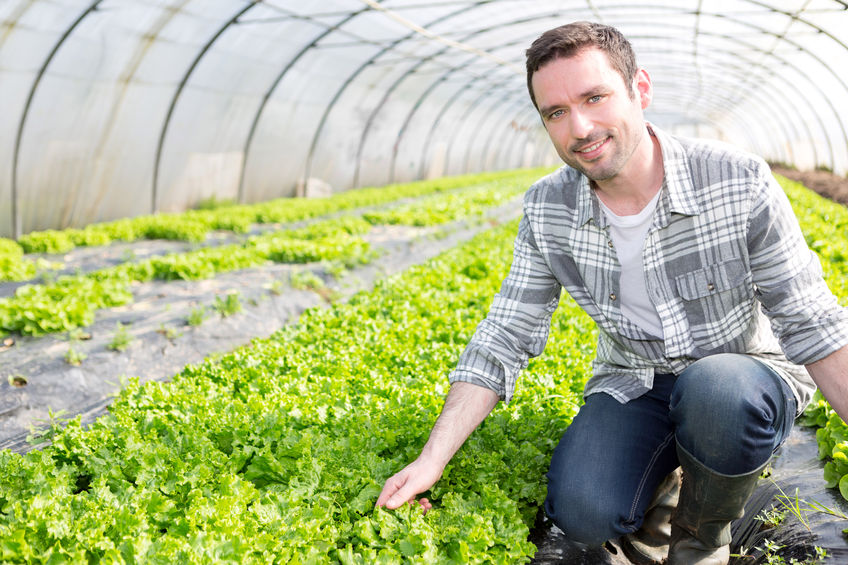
x,y
592,147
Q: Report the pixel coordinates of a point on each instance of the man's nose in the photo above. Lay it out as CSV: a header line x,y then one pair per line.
x,y
581,125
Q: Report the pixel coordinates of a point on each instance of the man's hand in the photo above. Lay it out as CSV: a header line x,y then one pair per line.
x,y
413,479
465,407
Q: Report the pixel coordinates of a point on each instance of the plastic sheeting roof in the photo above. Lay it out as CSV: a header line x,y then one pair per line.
x,y
117,108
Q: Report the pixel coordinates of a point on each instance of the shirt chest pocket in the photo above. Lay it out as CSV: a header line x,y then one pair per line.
x,y
717,301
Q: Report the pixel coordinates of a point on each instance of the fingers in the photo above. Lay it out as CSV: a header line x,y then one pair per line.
x,y
414,479
398,490
400,496
393,495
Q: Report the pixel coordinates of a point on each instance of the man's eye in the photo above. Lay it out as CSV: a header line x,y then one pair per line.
x,y
595,98
555,114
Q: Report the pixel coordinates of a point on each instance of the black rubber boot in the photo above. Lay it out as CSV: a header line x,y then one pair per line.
x,y
709,502
649,544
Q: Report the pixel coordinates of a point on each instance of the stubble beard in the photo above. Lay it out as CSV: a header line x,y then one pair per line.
x,y
617,160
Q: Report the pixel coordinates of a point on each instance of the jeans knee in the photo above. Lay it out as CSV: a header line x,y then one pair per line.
x,y
583,516
726,410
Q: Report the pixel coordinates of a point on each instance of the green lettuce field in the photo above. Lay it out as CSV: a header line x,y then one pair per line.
x,y
275,452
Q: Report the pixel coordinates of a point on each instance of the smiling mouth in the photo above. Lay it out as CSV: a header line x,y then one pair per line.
x,y
594,147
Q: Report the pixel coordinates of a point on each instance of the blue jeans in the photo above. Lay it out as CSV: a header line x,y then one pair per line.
x,y
729,411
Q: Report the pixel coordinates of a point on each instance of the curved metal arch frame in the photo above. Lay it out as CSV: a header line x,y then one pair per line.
x,y
157,163
801,72
489,130
505,151
522,109
725,37
16,211
419,102
351,77
426,93
270,91
522,102
400,79
505,99
460,125
366,129
715,104
770,54
705,96
792,85
93,7
444,109
414,109
812,54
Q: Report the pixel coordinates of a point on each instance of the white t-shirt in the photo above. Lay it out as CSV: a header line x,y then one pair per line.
x,y
628,236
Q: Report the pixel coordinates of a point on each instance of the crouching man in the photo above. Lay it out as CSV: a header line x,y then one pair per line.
x,y
715,324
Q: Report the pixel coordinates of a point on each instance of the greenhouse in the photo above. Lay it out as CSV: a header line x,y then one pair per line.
x,y
244,243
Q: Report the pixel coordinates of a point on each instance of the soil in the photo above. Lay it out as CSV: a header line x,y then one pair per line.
x,y
38,385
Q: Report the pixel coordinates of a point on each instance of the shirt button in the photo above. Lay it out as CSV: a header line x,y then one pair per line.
x,y
710,286
609,243
612,296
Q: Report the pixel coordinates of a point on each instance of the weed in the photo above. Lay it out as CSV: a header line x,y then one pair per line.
x,y
772,517
74,357
196,316
771,549
227,306
306,280
276,287
170,332
335,268
78,334
799,507
53,424
121,340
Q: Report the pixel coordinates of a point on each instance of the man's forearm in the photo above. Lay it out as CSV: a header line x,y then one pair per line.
x,y
465,407
831,376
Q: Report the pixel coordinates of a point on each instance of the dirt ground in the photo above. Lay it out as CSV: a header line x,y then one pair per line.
x,y
37,383
827,184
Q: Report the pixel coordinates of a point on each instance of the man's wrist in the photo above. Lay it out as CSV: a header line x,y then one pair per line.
x,y
434,455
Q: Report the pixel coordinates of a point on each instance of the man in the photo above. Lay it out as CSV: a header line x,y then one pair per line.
x,y
714,321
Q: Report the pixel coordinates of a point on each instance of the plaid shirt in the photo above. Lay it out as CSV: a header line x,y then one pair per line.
x,y
726,267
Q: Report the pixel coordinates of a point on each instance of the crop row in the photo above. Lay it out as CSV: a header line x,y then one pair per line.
x,y
825,226
195,225
72,301
821,219
277,451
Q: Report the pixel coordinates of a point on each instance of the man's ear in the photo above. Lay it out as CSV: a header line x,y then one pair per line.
x,y
643,88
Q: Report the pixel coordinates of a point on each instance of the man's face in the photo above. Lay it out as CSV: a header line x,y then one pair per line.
x,y
591,118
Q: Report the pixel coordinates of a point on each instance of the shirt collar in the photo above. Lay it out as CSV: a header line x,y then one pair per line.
x,y
679,192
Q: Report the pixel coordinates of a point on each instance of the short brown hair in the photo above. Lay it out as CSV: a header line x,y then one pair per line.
x,y
570,39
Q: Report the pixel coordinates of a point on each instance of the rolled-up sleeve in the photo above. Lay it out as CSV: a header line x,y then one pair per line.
x,y
517,325
804,314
